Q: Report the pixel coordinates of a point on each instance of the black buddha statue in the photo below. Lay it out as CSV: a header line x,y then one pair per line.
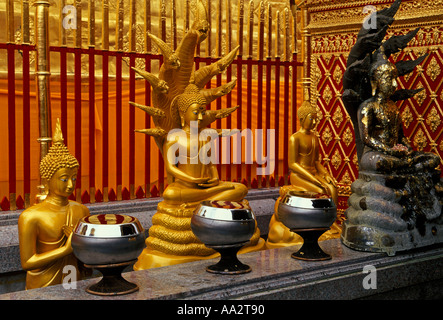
x,y
396,201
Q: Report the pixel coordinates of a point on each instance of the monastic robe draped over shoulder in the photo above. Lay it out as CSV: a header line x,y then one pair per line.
x,y
54,272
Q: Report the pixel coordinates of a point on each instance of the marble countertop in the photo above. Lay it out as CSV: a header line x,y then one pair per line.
x,y
274,275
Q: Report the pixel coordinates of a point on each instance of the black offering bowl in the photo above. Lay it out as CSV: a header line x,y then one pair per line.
x,y
308,214
109,243
225,226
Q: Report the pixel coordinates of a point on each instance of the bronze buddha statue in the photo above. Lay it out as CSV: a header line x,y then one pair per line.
x,y
395,203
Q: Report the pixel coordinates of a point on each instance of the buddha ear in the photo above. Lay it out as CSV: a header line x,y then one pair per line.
x,y
374,87
182,121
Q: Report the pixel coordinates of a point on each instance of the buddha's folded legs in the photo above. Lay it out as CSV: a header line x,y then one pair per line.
x,y
178,193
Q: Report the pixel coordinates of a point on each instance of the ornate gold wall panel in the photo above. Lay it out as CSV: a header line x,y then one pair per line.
x,y
333,27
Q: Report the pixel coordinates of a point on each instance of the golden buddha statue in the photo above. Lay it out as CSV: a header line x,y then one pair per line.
x,y
45,229
180,115
307,174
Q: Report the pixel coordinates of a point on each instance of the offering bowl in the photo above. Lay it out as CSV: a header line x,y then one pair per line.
x,y
109,243
308,214
224,226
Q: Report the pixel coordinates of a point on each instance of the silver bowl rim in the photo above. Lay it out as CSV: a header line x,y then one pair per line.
x,y
229,221
134,222
206,202
301,199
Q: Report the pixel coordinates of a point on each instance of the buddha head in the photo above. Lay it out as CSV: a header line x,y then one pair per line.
x,y
307,114
191,105
383,75
59,168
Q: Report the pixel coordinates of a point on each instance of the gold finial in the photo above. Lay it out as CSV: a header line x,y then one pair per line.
x,y
58,135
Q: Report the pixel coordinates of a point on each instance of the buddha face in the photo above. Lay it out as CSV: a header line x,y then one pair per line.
x,y
387,80
62,183
309,122
195,112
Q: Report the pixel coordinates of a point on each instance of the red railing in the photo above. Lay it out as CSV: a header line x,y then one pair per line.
x,y
88,191
98,123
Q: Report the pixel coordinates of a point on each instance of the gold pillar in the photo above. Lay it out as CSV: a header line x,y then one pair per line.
x,y
306,82
42,73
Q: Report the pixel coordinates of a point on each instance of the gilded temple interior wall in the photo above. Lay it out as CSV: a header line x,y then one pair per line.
x,y
118,30
162,12
333,27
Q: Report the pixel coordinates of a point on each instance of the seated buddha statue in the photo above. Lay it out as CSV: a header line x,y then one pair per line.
x,y
395,203
387,153
386,149
307,174
46,229
195,181
180,116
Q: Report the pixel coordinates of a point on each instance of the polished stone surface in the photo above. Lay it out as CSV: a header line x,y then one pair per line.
x,y
275,275
261,201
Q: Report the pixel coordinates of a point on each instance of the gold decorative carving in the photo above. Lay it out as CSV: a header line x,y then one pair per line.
x,y
421,96
327,94
433,70
346,179
420,140
407,117
338,75
433,119
327,136
348,138
338,117
336,159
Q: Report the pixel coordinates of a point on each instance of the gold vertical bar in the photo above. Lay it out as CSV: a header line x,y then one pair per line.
x,y
304,49
91,24
132,25
12,201
228,26
78,31
208,39
174,25
277,34
147,28
27,200
25,23
261,30
162,22
240,27
269,32
218,39
187,9
62,31
250,28
294,31
119,26
43,74
10,21
105,36
286,35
